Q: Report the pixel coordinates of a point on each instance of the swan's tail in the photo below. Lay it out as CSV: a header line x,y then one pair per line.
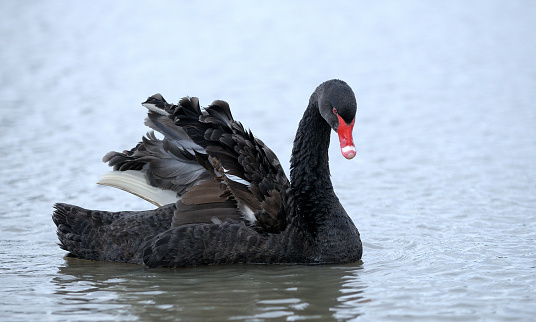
x,y
76,227
108,236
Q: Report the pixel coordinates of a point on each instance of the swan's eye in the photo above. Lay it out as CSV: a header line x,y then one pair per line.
x,y
335,111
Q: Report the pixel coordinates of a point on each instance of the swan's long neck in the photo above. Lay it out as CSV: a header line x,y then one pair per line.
x,y
309,166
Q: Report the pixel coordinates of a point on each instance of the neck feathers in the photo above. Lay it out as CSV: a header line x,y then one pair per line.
x,y
309,173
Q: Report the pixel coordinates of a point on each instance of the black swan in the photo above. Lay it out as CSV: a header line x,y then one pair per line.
x,y
222,194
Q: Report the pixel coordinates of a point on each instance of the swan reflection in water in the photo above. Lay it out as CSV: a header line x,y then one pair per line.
x,y
103,290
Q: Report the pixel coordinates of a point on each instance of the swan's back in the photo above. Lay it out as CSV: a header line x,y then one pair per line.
x,y
217,169
225,184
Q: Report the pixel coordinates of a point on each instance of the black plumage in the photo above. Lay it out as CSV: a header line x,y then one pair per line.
x,y
234,201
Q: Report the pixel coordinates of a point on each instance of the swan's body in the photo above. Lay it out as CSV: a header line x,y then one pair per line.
x,y
223,195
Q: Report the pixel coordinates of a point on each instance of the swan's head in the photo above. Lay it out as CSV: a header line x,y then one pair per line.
x,y
337,105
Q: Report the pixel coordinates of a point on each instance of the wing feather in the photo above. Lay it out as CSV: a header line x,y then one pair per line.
x,y
220,170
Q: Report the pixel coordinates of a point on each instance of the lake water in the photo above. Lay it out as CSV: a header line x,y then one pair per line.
x,y
443,188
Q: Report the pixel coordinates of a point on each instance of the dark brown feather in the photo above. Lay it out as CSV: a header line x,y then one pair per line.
x,y
211,161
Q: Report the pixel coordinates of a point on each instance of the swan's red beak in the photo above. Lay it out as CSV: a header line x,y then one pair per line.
x,y
345,138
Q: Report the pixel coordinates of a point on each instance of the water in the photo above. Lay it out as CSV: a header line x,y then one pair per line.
x,y
443,189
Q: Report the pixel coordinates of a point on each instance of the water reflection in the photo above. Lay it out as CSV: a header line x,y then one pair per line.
x,y
110,290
